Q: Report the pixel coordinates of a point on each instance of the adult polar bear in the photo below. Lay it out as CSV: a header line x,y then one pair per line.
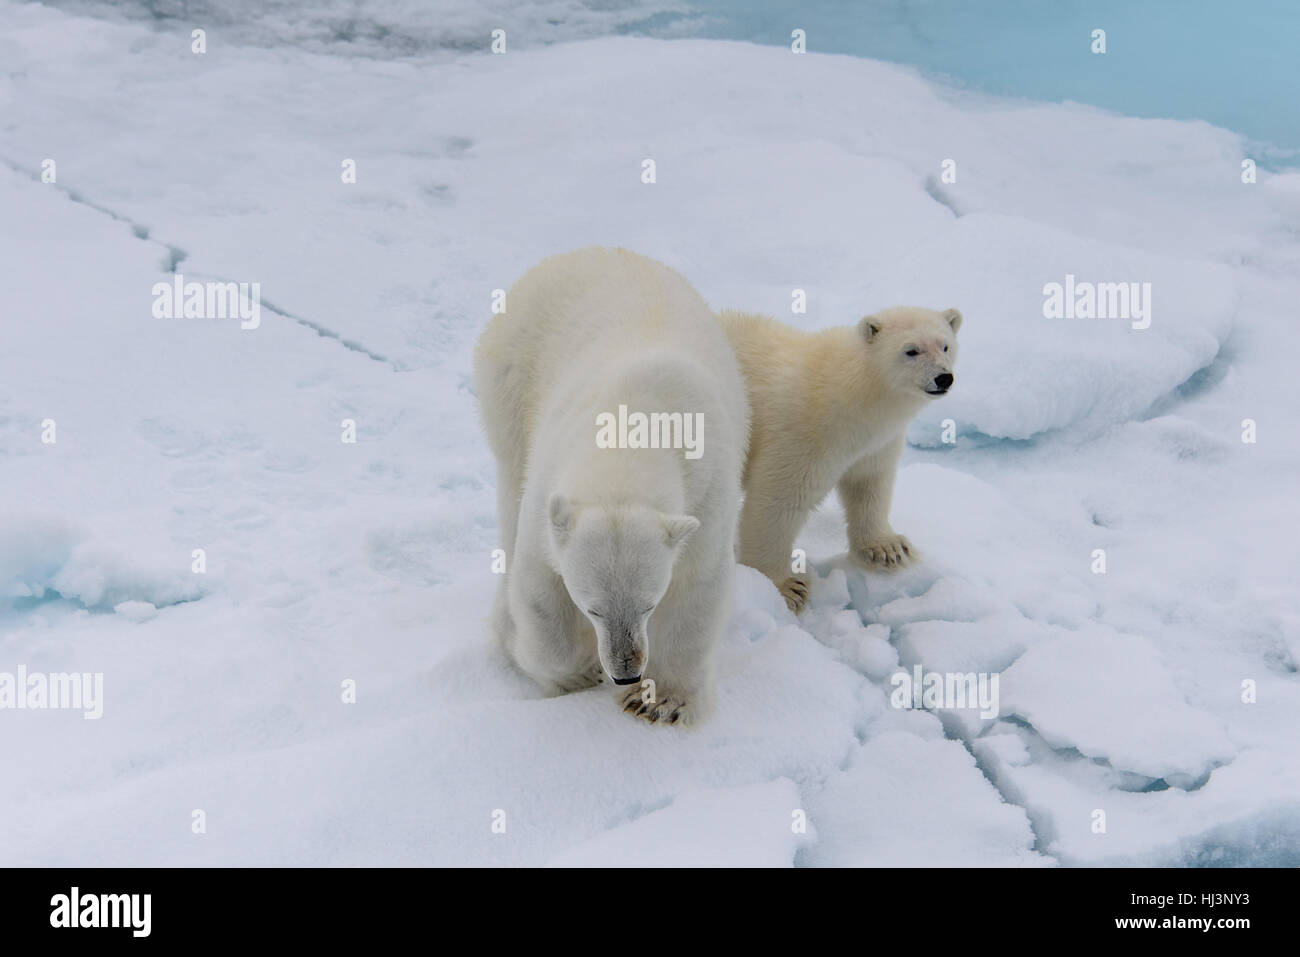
x,y
832,408
619,559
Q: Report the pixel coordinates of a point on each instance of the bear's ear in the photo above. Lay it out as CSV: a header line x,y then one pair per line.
x,y
563,515
869,326
678,528
953,317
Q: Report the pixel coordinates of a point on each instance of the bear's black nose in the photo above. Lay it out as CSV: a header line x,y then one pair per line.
x,y
943,381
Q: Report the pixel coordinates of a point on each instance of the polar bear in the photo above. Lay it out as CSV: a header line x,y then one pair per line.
x,y
831,408
620,547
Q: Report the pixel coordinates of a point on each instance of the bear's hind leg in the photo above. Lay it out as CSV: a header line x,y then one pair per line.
x,y
768,527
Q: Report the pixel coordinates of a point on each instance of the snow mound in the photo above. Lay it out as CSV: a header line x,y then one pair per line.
x,y
1108,696
1020,373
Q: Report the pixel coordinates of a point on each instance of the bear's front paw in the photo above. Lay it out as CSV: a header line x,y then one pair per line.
x,y
587,678
665,708
887,552
795,592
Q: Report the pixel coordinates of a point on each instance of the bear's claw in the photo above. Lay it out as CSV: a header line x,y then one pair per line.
x,y
890,552
795,591
669,709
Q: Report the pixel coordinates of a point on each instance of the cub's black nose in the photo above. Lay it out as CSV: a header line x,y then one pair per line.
x,y
943,381
627,681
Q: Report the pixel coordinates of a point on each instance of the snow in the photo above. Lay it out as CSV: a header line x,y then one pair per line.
x,y
333,566
1085,372
1136,717
755,826
886,810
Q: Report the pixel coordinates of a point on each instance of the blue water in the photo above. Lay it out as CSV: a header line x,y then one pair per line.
x,y
1234,63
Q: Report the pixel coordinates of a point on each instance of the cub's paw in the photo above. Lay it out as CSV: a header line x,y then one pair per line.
x,y
587,678
664,708
887,552
795,591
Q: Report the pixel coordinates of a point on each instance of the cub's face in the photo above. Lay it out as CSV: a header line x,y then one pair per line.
x,y
914,349
617,564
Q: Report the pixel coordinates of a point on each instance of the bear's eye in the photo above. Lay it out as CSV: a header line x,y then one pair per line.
x,y
945,348
594,614
912,352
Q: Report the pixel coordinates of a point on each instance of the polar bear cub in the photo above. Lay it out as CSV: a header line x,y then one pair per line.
x,y
831,408
617,413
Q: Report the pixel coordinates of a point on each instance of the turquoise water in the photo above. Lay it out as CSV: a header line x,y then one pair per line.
x,y
1234,64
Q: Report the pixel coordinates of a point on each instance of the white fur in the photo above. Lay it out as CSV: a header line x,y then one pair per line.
x,y
619,560
831,408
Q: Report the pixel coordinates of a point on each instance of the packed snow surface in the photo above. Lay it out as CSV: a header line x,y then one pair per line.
x,y
1162,692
